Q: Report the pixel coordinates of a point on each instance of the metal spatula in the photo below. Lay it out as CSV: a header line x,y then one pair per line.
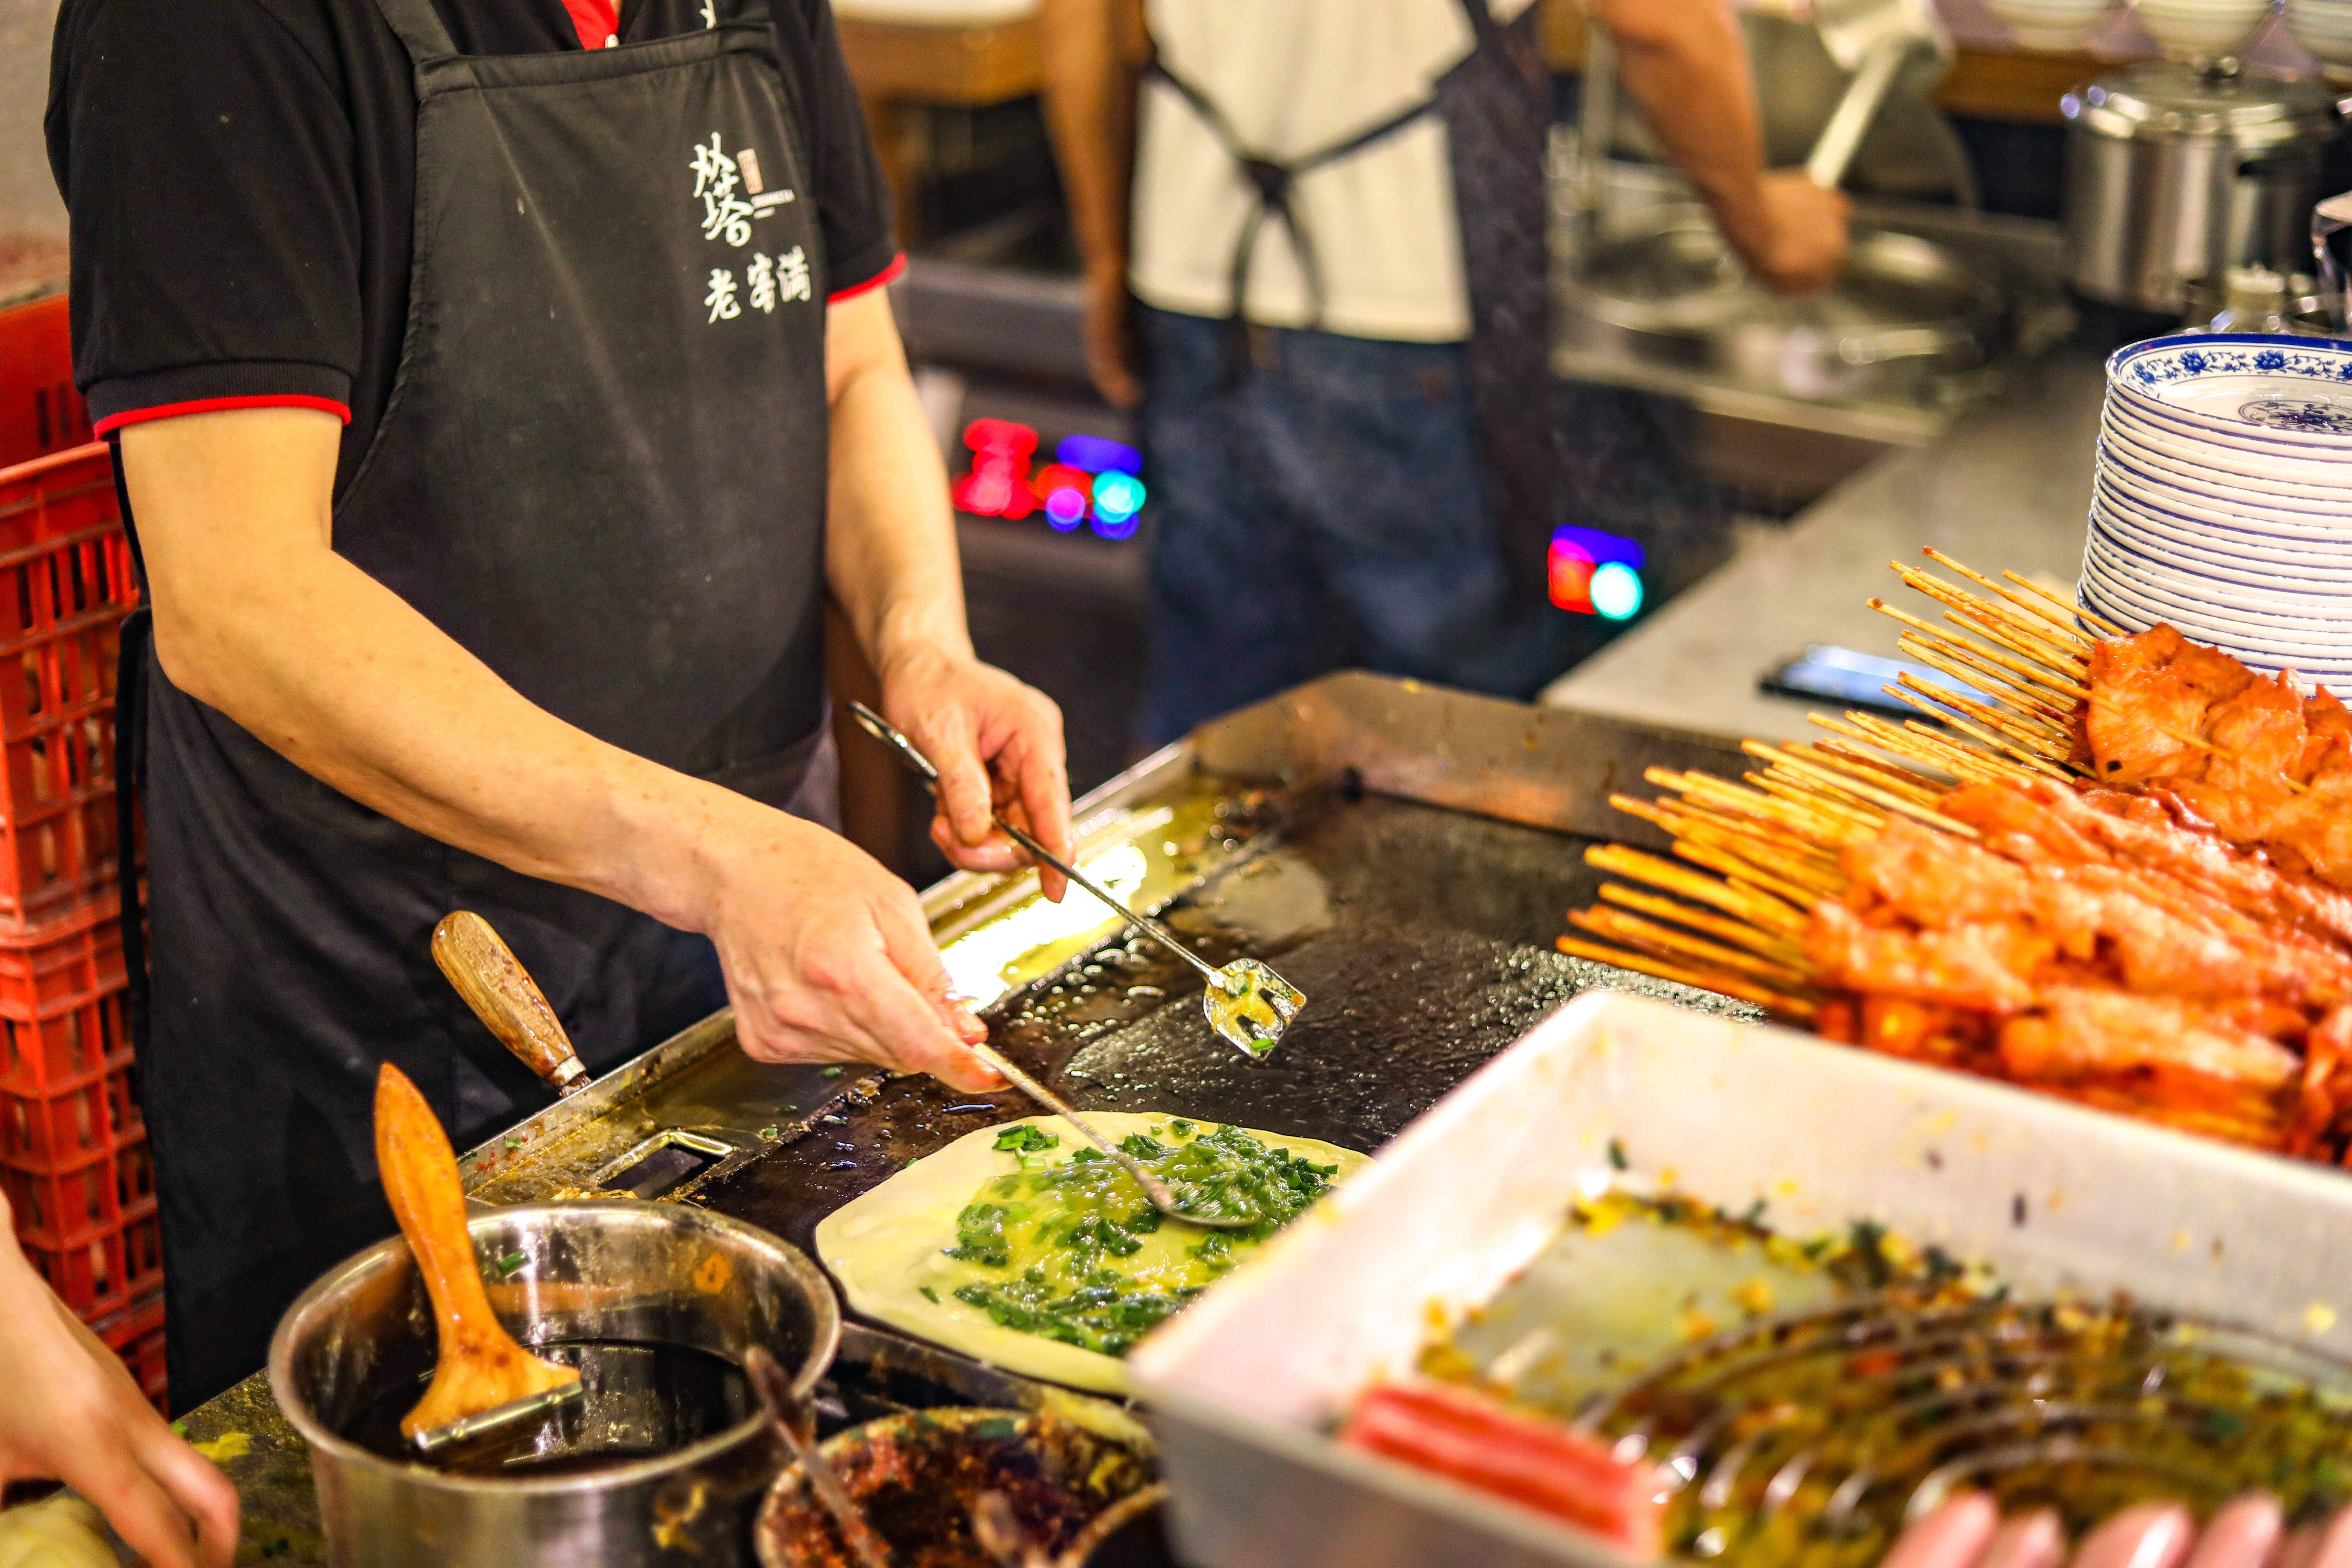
x,y
1247,1004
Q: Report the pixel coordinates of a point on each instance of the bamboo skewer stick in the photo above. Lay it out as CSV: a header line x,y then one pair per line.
x,y
2031,760
1681,946
2052,699
2093,617
1757,909
1987,679
1745,874
1848,811
1869,792
1915,742
1734,985
1836,754
1991,619
2065,628
1960,763
1763,943
2065,684
2039,745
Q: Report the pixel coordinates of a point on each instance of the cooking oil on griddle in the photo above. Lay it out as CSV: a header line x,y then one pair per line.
x,y
642,1401
1803,1399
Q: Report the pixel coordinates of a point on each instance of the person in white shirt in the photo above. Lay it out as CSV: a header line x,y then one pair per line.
x,y
1312,232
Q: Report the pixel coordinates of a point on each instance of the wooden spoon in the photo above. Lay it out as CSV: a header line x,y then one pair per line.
x,y
483,1379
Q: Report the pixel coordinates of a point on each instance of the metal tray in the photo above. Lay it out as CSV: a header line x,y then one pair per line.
x,y
2054,1197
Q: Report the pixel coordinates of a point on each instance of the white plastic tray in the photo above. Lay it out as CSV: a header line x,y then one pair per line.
x,y
1242,1387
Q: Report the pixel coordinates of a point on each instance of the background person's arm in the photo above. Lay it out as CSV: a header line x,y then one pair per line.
x,y
1684,64
827,955
1093,52
69,1412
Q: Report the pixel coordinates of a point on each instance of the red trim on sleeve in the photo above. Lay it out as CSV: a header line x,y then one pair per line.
x,y
887,276
598,22
114,422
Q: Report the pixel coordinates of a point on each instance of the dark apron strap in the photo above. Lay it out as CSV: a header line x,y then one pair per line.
x,y
420,28
1487,31
137,635
129,770
1497,107
1272,181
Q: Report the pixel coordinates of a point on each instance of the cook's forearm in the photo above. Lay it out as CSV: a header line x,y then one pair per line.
x,y
1089,103
1683,64
256,616
890,544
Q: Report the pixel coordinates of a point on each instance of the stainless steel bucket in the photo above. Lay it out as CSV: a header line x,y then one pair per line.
x,y
2174,175
643,1273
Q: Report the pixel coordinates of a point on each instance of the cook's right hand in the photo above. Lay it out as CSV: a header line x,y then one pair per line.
x,y
1797,244
1111,337
70,1411
827,955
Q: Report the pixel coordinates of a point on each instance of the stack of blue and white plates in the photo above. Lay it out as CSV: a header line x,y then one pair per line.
x,y
2223,501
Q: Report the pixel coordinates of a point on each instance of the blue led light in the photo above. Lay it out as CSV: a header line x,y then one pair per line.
x,y
1122,526
1600,547
1616,590
1064,509
1097,455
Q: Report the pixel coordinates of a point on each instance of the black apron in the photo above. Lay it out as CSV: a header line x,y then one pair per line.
x,y
603,471
1496,104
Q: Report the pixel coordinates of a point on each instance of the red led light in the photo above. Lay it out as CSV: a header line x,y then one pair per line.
x,y
1572,576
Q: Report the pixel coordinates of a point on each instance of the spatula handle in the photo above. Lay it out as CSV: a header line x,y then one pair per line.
x,y
503,996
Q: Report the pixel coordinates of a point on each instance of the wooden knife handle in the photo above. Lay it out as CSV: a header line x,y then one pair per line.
x,y
505,998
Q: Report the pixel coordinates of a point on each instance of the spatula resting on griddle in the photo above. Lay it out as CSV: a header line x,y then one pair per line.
x,y
483,1382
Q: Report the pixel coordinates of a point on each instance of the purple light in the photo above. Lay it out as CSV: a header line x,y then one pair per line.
x,y
1064,509
1097,455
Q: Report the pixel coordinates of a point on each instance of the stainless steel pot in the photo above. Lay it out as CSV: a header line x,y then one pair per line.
x,y
2174,174
1905,306
643,1273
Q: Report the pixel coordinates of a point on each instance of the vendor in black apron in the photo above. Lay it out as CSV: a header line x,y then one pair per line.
x,y
1336,233
500,388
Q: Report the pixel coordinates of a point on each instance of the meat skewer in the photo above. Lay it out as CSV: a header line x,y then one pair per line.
x,y
2134,888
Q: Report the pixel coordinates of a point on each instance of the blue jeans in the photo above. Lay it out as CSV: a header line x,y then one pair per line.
x,y
1324,512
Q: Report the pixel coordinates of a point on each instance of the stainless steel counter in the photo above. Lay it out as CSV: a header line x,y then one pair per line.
x,y
2008,488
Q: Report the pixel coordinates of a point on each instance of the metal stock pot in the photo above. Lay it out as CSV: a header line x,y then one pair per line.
x,y
2175,175
642,1273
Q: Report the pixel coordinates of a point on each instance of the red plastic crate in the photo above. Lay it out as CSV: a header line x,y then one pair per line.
x,y
136,1334
66,583
40,411
62,1016
63,1205
108,1271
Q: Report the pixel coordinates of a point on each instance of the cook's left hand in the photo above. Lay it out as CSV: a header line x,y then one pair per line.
x,y
997,744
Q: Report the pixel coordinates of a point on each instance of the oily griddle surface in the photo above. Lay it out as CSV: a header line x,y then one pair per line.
x,y
1421,938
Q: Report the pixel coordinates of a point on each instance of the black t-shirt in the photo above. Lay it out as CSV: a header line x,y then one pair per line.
x,y
240,177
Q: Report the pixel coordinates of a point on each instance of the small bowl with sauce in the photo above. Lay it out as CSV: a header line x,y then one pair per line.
x,y
664,1460
915,1478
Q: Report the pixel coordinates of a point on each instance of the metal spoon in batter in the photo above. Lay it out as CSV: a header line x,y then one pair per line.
x,y
1247,1003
